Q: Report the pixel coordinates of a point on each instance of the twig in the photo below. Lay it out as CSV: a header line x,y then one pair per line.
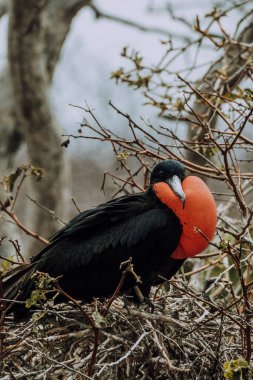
x,y
29,232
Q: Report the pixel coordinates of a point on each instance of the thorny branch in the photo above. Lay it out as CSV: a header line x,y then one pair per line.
x,y
188,329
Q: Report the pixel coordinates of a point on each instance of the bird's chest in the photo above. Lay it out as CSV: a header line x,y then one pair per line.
x,y
155,251
198,217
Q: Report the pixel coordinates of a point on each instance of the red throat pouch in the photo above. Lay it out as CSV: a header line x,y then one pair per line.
x,y
198,218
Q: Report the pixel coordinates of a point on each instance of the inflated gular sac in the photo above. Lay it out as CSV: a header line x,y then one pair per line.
x,y
198,217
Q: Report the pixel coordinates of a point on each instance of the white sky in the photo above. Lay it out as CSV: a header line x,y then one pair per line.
x,y
92,51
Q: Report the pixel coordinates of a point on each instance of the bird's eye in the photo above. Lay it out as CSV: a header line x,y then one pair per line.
x,y
160,173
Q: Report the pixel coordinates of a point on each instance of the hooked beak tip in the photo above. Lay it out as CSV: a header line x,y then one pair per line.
x,y
176,186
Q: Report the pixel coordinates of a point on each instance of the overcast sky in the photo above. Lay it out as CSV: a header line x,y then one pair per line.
x,y
92,51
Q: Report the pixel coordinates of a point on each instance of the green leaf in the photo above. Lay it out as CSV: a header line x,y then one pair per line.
x,y
35,296
99,320
5,265
123,156
236,369
8,181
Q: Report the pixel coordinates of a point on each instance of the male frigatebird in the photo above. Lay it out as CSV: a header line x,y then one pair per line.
x,y
158,228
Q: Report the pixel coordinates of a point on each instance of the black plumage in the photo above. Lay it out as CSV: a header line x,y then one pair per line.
x,y
88,251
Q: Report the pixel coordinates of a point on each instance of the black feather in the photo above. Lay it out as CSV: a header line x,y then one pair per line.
x,y
88,251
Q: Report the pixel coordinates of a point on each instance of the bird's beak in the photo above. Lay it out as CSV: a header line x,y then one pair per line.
x,y
176,186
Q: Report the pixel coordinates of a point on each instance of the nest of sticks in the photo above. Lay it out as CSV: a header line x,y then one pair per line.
x,y
186,337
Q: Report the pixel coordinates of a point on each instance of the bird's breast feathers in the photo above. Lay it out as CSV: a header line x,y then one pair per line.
x,y
198,217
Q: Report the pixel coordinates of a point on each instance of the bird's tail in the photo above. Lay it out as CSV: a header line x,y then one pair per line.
x,y
16,284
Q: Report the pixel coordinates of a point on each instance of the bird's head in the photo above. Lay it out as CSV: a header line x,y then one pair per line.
x,y
171,172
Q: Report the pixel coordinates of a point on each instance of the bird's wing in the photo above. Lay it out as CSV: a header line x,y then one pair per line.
x,y
86,254
111,212
114,228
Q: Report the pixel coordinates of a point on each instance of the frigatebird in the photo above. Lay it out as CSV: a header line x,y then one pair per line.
x,y
158,229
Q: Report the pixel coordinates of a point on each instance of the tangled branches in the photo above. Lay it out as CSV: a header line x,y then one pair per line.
x,y
186,337
202,326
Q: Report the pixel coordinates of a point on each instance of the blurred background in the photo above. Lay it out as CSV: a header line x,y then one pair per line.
x,y
92,94
58,57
